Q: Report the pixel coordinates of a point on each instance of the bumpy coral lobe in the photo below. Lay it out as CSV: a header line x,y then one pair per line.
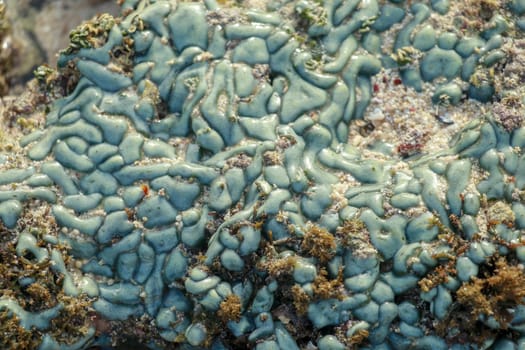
x,y
199,166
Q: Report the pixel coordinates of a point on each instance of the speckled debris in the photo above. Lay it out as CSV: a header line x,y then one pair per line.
x,y
203,183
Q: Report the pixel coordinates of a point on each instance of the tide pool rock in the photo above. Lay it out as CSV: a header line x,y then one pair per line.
x,y
207,181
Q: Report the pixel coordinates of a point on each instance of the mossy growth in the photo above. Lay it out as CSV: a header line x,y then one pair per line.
x,y
354,235
349,231
496,293
277,267
36,286
406,56
44,74
484,306
493,295
312,13
458,246
90,34
301,299
482,76
38,295
325,288
56,83
444,232
500,213
73,321
122,56
319,243
230,309
15,337
358,338
352,338
439,275
322,287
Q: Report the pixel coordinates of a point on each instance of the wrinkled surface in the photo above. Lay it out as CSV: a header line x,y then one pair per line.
x,y
202,177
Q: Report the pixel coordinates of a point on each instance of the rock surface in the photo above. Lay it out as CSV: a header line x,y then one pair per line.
x,y
220,176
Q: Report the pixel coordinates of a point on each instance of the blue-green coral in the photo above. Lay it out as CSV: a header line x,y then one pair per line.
x,y
203,186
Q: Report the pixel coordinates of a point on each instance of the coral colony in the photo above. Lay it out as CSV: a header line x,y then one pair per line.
x,y
197,185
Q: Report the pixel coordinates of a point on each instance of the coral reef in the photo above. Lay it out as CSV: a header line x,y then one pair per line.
x,y
200,180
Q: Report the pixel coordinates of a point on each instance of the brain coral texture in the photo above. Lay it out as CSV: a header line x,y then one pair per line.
x,y
198,186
